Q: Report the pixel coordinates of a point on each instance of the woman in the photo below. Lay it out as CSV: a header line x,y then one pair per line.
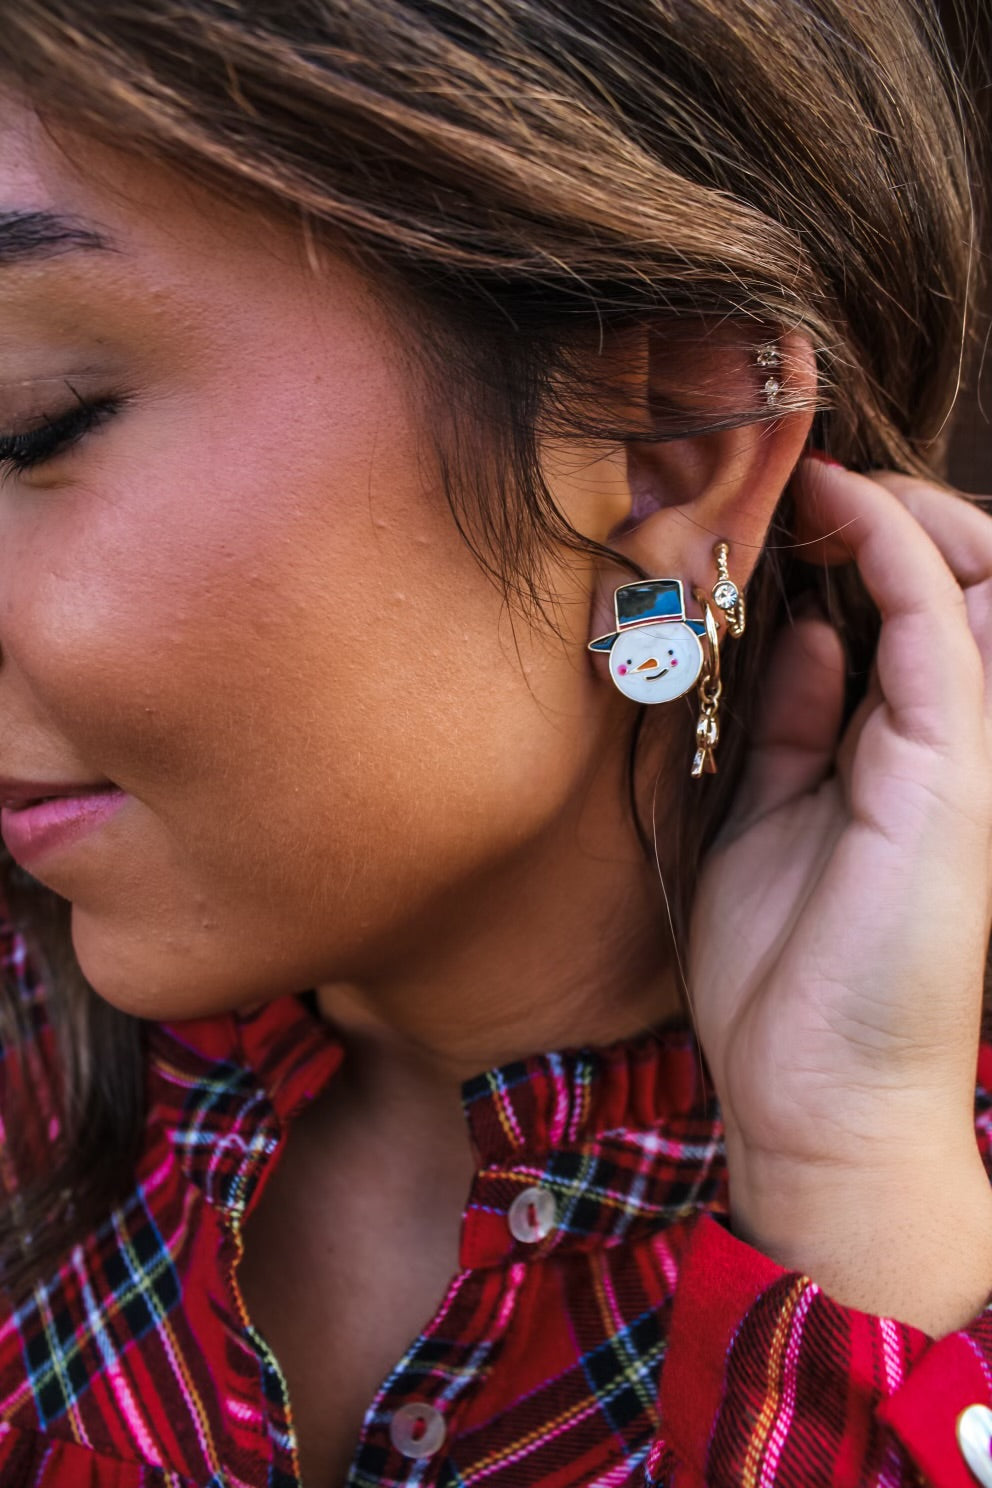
x,y
397,400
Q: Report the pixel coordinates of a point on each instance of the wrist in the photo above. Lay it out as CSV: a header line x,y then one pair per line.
x,y
910,1239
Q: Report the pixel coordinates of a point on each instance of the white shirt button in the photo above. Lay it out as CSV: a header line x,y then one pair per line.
x,y
975,1441
417,1429
532,1215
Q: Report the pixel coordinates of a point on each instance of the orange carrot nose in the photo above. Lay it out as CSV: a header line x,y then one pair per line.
x,y
648,666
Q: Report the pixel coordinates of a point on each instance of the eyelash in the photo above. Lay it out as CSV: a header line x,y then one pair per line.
x,y
21,452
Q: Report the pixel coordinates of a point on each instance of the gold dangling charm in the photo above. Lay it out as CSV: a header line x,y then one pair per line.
x,y
726,595
710,688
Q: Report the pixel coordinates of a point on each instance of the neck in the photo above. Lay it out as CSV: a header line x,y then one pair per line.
x,y
565,944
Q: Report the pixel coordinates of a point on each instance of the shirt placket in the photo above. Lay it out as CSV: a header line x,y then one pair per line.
x,y
410,1433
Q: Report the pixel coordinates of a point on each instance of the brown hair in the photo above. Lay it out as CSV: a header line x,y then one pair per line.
x,y
529,172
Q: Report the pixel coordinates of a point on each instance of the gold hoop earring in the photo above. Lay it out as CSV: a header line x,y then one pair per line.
x,y
709,689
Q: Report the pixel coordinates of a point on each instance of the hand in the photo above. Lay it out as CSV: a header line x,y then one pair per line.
x,y
842,921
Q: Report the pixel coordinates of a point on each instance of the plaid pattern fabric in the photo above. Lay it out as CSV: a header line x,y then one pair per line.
x,y
637,1343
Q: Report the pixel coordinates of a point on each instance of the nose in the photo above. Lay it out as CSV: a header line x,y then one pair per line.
x,y
648,666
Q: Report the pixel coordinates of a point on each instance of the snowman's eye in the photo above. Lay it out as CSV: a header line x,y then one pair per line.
x,y
670,651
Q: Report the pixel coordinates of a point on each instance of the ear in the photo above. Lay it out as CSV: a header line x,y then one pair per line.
x,y
665,503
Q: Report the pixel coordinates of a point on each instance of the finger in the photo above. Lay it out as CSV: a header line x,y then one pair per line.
x,y
964,522
929,664
956,524
961,528
824,552
798,721
825,549
866,708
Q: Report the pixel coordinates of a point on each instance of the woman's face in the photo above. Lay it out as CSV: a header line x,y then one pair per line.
x,y
242,598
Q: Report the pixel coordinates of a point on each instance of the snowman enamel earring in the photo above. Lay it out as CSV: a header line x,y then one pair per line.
x,y
656,653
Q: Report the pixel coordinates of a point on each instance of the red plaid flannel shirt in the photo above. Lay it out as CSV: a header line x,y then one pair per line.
x,y
635,1342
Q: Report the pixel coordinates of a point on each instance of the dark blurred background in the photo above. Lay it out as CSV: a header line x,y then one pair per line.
x,y
969,28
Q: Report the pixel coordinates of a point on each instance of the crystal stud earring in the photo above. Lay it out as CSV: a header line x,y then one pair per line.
x,y
770,358
726,595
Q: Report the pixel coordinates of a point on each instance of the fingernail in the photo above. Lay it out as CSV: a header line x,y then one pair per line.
x,y
823,457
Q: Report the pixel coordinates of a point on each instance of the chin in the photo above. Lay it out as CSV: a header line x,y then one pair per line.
x,y
164,981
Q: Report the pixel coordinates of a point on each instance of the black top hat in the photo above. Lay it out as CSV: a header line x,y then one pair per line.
x,y
647,602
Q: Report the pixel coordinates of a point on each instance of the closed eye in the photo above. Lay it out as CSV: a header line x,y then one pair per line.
x,y
29,448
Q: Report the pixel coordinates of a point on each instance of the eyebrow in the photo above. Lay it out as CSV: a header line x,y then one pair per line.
x,y
29,237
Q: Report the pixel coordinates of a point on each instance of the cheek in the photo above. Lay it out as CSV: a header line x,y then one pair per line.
x,y
121,638
206,576
282,685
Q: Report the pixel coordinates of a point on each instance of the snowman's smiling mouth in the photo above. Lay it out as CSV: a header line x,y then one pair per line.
x,y
651,676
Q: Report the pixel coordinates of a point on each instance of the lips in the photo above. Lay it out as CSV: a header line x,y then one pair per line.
x,y
40,827
78,795
18,793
